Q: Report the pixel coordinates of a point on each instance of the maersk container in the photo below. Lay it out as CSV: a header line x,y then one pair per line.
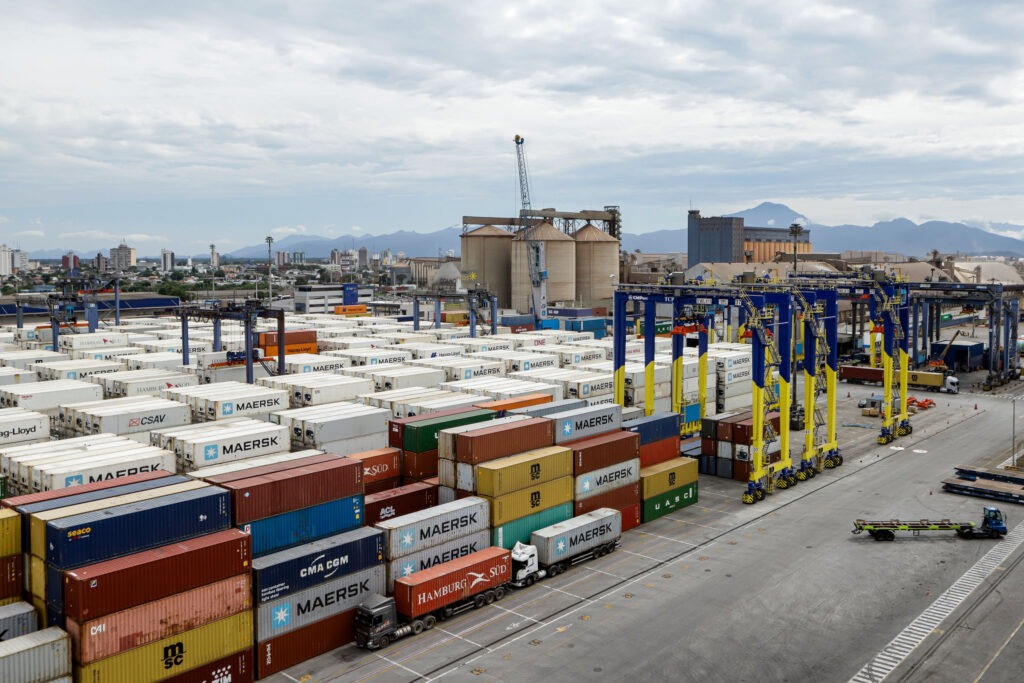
x,y
311,362
75,369
19,426
412,533
468,368
92,537
296,569
318,602
565,540
305,525
584,422
339,388
17,619
421,436
519,530
595,385
376,356
253,402
530,500
36,657
247,442
670,501
439,554
88,470
512,473
272,494
607,479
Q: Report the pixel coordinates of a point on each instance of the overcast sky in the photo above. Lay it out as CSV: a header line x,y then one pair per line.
x,y
183,123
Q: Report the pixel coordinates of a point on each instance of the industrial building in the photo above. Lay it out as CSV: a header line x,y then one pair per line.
x,y
728,240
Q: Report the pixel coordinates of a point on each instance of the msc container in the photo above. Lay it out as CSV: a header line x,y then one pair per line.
x,y
599,452
400,501
10,532
22,426
164,658
236,668
430,557
305,525
411,533
499,477
483,445
277,654
578,535
379,465
296,569
445,584
119,584
530,500
36,657
608,478
667,476
519,530
654,427
319,602
584,422
421,436
114,633
292,489
17,619
670,501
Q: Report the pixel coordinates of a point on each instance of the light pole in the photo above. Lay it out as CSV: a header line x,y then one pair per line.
x,y
270,267
795,229
1013,447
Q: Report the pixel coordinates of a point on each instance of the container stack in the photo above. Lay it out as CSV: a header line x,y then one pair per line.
x,y
39,656
735,374
528,491
726,441
667,487
417,437
659,437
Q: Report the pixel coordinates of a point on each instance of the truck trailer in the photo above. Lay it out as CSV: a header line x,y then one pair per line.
x,y
930,381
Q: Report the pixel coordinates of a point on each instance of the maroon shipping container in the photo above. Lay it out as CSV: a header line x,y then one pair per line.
x,y
380,464
631,516
262,470
400,501
419,466
396,428
382,485
484,445
658,452
726,425
605,450
429,480
84,488
616,499
453,581
112,634
10,575
294,489
743,431
708,446
236,668
277,654
741,470
106,587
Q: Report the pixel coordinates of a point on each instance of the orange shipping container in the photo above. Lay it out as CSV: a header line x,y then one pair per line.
x,y
517,402
290,337
350,309
289,349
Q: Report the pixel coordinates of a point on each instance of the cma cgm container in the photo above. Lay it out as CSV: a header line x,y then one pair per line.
x,y
36,657
584,422
293,489
318,602
442,586
296,569
302,526
439,554
412,533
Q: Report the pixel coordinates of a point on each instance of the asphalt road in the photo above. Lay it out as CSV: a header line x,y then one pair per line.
x,y
778,591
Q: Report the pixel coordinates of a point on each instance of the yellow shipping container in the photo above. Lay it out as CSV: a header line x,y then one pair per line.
x,y
38,521
527,501
10,532
9,601
505,475
37,577
658,479
174,655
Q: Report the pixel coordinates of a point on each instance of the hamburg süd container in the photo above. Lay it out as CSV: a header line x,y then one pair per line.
x,y
530,500
411,533
380,464
578,535
607,479
446,584
302,526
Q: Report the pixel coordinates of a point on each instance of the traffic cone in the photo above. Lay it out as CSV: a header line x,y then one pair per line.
x,y
847,394
975,406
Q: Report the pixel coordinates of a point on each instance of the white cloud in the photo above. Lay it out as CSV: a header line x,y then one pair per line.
x,y
289,230
30,233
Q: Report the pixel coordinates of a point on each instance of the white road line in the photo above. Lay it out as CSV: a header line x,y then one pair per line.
x,y
646,557
914,634
666,538
614,576
456,635
517,614
392,663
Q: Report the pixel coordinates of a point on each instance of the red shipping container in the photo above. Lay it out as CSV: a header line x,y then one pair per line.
x,y
484,445
396,428
277,654
518,329
741,470
303,487
382,485
403,500
112,634
659,451
616,499
106,587
236,668
10,576
631,517
84,488
429,480
602,451
708,446
419,466
290,337
380,464
270,469
444,584
518,402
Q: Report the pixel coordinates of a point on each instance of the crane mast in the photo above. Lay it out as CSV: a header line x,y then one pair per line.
x,y
534,248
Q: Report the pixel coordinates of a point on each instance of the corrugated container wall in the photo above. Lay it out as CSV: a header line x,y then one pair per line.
x,y
487,253
560,261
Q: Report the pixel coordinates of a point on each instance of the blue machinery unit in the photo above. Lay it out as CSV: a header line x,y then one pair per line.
x,y
473,300
247,313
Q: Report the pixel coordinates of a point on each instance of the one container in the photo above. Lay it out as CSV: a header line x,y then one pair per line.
x,y
452,582
607,479
530,500
503,476
578,535
399,501
10,532
277,654
667,476
439,554
412,533
519,530
380,464
489,444
302,526
584,422
280,492
670,501
36,657
235,668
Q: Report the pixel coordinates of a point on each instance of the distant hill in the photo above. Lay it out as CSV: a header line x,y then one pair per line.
x,y
412,243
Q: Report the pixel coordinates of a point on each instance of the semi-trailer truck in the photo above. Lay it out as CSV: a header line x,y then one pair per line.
x,y
931,381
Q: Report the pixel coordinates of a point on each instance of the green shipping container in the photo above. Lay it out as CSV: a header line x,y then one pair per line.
x,y
506,535
670,501
420,437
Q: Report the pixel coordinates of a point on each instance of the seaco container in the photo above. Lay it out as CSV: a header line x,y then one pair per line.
x,y
305,525
166,657
584,422
114,633
411,533
439,554
125,582
379,465
519,530
279,653
654,427
293,489
499,477
400,501
321,601
670,501
36,657
17,619
607,479
235,668
530,500
488,444
667,476
421,436
598,452
296,569
446,584
578,535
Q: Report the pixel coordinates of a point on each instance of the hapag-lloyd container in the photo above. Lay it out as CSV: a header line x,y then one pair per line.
x,y
445,584
235,668
35,657
305,525
598,452
412,533
616,499
279,653
400,501
519,530
119,584
17,619
323,600
19,426
670,501
430,557
287,490
667,476
114,633
530,500
499,477
299,568
584,422
580,534
492,443
607,479
380,464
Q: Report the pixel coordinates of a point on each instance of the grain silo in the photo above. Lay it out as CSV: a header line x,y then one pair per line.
x,y
560,260
597,258
487,254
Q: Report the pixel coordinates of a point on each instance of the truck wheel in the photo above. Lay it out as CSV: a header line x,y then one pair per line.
x,y
384,641
887,535
599,551
429,621
479,601
530,580
446,613
417,627
499,592
490,597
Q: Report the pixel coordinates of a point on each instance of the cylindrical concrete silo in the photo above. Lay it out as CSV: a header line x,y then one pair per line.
x,y
560,262
487,253
597,258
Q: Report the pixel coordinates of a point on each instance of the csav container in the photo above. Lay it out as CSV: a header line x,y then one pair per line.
x,y
411,533
302,526
438,587
607,479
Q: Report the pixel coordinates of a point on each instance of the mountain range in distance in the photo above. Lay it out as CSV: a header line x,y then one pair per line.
x,y
899,236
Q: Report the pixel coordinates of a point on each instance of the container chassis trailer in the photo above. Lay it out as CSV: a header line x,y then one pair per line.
x,y
993,525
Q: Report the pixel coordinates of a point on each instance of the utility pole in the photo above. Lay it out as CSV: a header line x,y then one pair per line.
x,y
270,268
795,229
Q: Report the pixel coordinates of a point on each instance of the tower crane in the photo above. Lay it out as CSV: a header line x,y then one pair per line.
x,y
534,248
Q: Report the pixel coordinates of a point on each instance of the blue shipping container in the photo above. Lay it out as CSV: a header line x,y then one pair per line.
x,y
548,324
516,320
305,525
350,293
691,413
289,571
656,427
125,529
